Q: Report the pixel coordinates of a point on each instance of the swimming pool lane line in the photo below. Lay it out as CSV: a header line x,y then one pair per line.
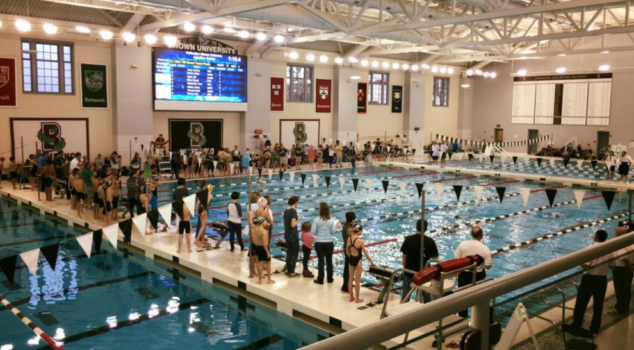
x,y
556,234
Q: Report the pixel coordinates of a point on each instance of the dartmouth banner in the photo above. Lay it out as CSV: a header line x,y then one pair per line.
x,y
397,99
94,89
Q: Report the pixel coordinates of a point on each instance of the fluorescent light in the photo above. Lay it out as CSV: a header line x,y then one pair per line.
x,y
353,59
562,55
323,58
434,69
83,30
386,65
606,51
189,27
522,72
424,66
375,64
486,74
293,55
150,39
355,77
170,40
469,72
243,34
405,66
478,71
414,67
338,60
128,37
49,28
260,36
207,29
228,29
493,75
443,70
310,57
365,63
396,66
23,25
450,70
561,70
279,39
466,86
604,67
106,34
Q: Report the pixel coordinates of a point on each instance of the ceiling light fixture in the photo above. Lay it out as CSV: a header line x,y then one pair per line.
x,y
425,66
493,75
561,70
338,60
293,55
189,27
106,34
355,77
49,29
606,51
207,29
414,67
443,70
478,71
279,39
365,63
150,39
323,59
434,69
405,66
604,67
562,55
83,30
375,64
23,25
243,34
385,65
260,36
486,74
229,30
465,86
128,37
450,70
310,57
522,72
396,66
170,40
353,59
469,72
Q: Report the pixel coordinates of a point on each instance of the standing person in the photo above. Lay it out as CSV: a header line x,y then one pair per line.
x,y
246,161
323,228
311,157
443,153
307,246
133,191
351,218
80,189
435,149
624,167
259,240
184,226
610,164
48,179
411,251
86,175
339,155
291,235
252,208
114,163
155,182
108,202
355,246
352,153
320,155
473,247
622,275
202,207
594,284
234,221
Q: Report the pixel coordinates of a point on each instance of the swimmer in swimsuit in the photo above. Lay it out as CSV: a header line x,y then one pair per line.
x,y
260,241
79,191
355,249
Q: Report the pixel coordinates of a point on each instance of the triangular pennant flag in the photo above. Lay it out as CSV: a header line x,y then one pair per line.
x,y
458,190
551,193
514,159
370,183
166,213
525,192
500,190
470,155
259,172
491,158
566,161
231,165
608,196
292,175
8,267
50,254
355,183
270,173
594,164
438,188
31,259
140,222
478,191
111,233
303,176
85,242
385,183
97,238
539,161
281,174
402,186
153,216
552,162
579,163
342,181
126,229
450,154
190,202
579,195
315,178
327,178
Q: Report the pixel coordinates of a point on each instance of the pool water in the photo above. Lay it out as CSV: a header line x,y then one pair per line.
x,y
119,300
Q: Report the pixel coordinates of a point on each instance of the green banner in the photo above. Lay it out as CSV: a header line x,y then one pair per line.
x,y
94,88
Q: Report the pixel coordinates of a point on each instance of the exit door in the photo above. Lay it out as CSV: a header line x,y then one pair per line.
x,y
498,135
532,134
603,140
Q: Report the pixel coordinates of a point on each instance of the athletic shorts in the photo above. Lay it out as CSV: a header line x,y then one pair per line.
x,y
184,227
108,207
260,252
434,157
81,196
47,182
14,175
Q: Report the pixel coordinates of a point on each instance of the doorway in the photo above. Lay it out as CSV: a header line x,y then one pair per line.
x,y
498,135
532,134
603,140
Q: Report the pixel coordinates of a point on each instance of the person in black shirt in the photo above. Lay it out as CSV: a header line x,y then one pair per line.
x,y
184,227
291,235
411,255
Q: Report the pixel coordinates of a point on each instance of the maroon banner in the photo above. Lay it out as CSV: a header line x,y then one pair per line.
x,y
8,83
277,94
362,98
324,90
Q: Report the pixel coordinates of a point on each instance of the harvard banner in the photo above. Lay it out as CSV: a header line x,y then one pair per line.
x,y
362,98
94,87
8,90
324,89
277,94
397,99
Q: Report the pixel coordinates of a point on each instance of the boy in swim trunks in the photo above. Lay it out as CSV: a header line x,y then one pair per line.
x,y
79,191
108,203
260,242
184,226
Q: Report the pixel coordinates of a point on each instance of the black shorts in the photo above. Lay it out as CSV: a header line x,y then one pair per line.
x,y
115,202
434,157
108,207
260,252
14,175
47,182
624,169
184,227
612,168
81,196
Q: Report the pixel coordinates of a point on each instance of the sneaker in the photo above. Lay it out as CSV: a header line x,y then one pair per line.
x,y
318,282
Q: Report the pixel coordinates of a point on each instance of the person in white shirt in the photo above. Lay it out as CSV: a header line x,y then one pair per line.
x,y
74,164
622,274
473,247
593,285
234,221
443,153
434,152
610,165
624,167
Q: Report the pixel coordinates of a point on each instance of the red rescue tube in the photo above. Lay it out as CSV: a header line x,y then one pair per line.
x,y
427,274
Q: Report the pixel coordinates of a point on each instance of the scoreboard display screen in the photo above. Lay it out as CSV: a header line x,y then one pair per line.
x,y
189,80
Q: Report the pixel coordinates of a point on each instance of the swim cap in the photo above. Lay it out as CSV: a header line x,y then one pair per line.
x,y
262,202
109,183
258,220
210,188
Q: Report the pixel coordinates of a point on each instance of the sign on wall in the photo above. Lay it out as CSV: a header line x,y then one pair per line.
x,y
8,83
303,131
94,86
56,135
362,98
324,90
195,133
397,99
277,94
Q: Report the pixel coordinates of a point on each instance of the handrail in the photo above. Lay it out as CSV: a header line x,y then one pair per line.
x,y
393,326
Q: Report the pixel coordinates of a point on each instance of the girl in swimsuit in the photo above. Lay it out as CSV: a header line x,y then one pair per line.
x,y
356,247
201,208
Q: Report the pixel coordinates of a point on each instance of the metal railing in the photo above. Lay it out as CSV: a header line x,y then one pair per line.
x,y
478,297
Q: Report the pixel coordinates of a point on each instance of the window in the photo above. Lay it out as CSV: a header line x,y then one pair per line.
x,y
441,92
379,86
299,84
47,67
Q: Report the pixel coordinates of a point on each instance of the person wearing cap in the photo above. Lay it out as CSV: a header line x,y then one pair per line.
x,y
259,240
324,227
234,221
622,273
351,218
